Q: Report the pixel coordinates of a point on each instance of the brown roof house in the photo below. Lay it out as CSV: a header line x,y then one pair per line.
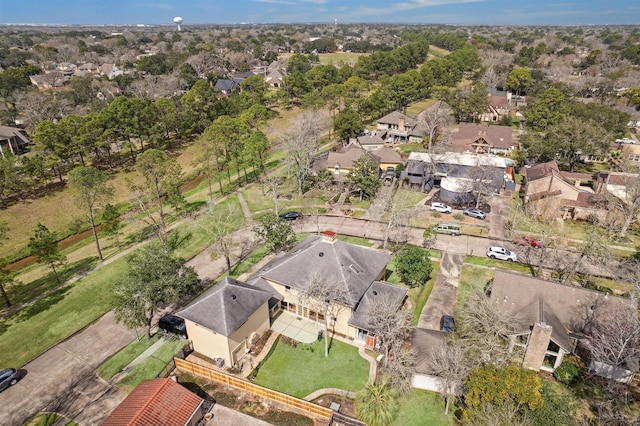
x,y
158,402
499,106
341,162
554,320
483,139
550,190
13,140
225,321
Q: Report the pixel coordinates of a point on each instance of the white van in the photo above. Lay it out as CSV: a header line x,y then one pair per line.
x,y
450,228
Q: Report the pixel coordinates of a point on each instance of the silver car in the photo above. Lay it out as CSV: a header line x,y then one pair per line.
x,y
501,253
440,207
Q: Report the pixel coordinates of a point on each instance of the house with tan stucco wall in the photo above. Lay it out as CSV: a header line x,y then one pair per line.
x,y
226,320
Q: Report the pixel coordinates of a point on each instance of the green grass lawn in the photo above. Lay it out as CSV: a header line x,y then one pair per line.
x,y
34,329
471,280
152,366
417,107
304,369
423,408
355,240
418,296
116,363
502,264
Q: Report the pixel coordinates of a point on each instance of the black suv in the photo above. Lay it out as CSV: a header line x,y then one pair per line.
x,y
173,324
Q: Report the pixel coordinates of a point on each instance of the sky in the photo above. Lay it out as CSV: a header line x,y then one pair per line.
x,y
463,12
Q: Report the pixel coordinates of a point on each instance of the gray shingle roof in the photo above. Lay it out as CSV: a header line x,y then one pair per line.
x,y
353,267
225,306
378,290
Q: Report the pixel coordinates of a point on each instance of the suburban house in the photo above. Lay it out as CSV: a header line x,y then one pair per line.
x,y
13,140
51,80
370,142
553,320
275,74
482,139
546,186
341,162
499,106
456,173
227,86
158,402
399,128
359,271
228,318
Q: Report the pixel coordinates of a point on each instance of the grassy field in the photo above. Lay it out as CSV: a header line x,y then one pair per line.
x,y
34,329
304,369
423,408
417,107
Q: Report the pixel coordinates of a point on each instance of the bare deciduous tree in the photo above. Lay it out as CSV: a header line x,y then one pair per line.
x,y
615,337
485,329
622,193
326,296
448,361
435,119
301,142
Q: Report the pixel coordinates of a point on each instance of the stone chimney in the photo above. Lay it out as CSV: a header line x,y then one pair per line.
x,y
329,237
538,344
401,124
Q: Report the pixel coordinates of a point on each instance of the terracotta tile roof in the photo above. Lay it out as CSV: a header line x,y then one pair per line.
x,y
156,402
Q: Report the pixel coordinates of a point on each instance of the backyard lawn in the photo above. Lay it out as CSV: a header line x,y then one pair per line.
x,y
301,370
422,408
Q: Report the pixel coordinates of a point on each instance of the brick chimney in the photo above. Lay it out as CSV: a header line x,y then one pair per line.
x,y
538,344
401,124
329,237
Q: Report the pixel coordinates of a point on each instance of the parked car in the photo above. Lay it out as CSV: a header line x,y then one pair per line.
x,y
447,324
291,216
501,253
9,377
477,213
450,228
173,324
528,241
625,140
440,207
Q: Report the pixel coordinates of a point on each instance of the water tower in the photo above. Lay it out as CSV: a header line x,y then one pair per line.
x,y
177,20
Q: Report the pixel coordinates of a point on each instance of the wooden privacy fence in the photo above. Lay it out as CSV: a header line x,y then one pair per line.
x,y
252,388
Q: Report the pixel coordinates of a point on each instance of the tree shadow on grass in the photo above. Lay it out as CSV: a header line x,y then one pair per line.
x,y
41,305
26,292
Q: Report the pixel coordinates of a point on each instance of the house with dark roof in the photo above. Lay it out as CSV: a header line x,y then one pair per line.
x,y
158,402
553,318
227,319
13,140
227,86
454,173
499,106
482,139
399,128
359,271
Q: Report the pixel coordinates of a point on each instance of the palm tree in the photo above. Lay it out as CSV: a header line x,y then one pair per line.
x,y
377,404
615,159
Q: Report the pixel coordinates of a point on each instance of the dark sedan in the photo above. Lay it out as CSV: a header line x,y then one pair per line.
x,y
291,216
9,377
447,324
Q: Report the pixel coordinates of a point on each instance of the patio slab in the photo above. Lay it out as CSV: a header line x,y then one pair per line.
x,y
298,328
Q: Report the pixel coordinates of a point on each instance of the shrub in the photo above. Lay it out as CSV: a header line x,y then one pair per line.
x,y
458,216
436,214
567,373
347,200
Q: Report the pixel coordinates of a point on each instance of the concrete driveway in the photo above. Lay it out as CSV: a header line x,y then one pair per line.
x,y
443,296
63,380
